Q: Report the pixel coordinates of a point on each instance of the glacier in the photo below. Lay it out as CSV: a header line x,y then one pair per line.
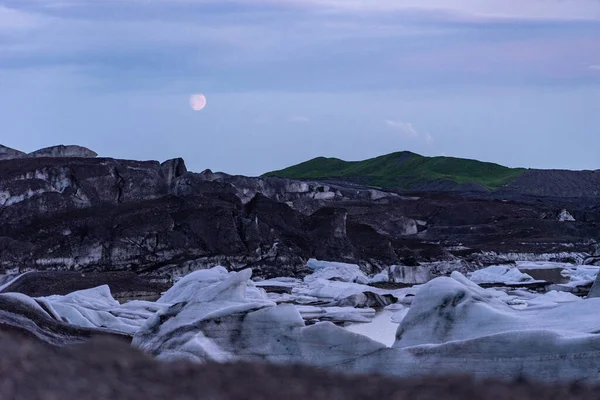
x,y
446,326
451,326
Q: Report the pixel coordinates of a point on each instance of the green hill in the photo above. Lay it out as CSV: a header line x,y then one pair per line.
x,y
404,170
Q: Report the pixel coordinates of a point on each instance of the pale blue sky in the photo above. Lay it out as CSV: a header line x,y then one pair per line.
x,y
511,81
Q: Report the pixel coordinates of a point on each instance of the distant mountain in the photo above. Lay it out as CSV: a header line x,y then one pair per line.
x,y
59,151
408,171
6,153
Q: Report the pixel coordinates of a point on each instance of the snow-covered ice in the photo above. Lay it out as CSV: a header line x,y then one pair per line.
x,y
454,308
336,314
382,328
335,270
453,326
527,265
449,325
221,323
500,274
96,308
581,273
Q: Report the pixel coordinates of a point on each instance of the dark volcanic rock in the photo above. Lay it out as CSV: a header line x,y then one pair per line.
x,y
173,169
64,151
556,183
367,299
100,214
442,185
33,188
6,153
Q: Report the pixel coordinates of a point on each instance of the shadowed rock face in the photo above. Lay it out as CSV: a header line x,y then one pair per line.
x,y
559,183
64,151
6,153
98,214
108,369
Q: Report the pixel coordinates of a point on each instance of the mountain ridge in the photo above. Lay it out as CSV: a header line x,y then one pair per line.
x,y
411,171
152,218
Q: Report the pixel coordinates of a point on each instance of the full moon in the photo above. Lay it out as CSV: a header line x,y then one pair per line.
x,y
197,101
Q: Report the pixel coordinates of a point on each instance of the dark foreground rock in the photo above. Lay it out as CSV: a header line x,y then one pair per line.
x,y
108,369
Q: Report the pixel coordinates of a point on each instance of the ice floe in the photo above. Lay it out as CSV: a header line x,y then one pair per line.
x,y
336,314
454,308
96,308
500,274
382,328
449,325
581,273
220,323
453,326
335,271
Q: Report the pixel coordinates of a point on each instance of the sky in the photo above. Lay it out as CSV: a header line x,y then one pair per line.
x,y
516,82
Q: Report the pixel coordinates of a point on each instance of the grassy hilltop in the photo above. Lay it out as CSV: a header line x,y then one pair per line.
x,y
403,170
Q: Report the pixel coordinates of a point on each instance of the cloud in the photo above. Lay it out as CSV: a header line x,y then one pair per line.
x,y
429,139
595,67
574,9
304,45
297,119
19,21
536,9
407,129
530,9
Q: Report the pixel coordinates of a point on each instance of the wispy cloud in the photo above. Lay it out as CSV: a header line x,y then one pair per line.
x,y
407,129
553,9
595,67
16,20
428,138
537,9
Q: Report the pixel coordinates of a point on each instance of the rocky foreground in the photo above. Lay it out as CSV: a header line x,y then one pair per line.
x,y
108,369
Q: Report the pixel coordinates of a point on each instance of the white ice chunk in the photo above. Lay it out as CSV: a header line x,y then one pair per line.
x,y
455,308
335,271
96,308
500,274
382,328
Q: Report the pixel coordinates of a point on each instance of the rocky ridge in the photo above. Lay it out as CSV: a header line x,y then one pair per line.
x,y
90,214
6,153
